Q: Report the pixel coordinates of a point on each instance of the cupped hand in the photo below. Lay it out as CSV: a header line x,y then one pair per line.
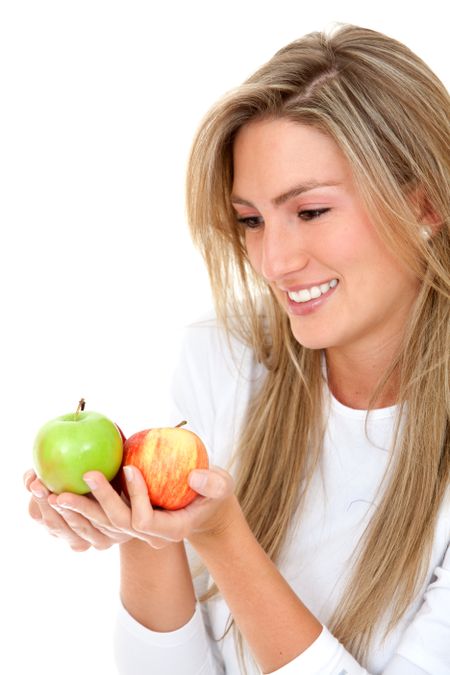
x,y
208,513
71,526
104,517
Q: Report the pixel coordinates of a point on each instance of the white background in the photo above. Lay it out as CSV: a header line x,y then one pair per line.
x,y
99,104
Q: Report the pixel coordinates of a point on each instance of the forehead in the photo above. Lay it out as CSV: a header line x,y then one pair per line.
x,y
279,152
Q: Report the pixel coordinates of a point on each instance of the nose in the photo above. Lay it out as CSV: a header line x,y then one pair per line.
x,y
282,252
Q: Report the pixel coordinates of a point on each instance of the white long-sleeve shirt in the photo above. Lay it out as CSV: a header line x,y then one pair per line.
x,y
211,389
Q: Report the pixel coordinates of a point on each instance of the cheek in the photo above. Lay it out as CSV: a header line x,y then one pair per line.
x,y
369,267
356,246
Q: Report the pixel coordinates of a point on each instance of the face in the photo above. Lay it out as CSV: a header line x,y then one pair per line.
x,y
309,235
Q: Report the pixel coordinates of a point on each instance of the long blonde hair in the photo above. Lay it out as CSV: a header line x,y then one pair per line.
x,y
389,114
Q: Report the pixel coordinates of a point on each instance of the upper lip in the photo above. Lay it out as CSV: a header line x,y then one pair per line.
x,y
301,287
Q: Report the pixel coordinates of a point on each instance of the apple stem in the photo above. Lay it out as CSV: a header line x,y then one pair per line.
x,y
181,424
81,405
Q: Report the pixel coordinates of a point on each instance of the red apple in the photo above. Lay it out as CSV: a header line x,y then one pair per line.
x,y
165,457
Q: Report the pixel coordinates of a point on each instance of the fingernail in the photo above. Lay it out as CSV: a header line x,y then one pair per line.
x,y
197,480
128,471
90,482
38,492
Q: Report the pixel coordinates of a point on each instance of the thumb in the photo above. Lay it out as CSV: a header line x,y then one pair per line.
x,y
214,483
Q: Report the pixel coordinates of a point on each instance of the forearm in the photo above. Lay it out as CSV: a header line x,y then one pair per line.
x,y
156,585
275,623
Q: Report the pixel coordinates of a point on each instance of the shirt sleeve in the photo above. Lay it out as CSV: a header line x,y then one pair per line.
x,y
426,641
424,648
140,651
326,656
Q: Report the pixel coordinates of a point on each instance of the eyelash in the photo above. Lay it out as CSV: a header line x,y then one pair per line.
x,y
252,222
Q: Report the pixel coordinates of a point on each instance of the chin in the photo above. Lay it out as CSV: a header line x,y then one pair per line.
x,y
311,340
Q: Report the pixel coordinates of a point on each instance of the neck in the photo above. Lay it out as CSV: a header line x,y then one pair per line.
x,y
353,378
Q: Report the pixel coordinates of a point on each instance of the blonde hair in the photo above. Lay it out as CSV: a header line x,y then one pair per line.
x,y
389,114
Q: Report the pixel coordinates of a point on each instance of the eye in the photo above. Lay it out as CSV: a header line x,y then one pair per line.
x,y
311,214
250,222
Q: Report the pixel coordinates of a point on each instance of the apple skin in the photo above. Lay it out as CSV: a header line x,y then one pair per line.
x,y
165,457
68,446
122,435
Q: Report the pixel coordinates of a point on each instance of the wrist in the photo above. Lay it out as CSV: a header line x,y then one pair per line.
x,y
220,529
136,549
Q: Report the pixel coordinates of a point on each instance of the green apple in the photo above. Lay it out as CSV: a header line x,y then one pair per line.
x,y
70,445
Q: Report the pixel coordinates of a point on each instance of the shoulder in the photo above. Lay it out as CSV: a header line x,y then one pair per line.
x,y
208,348
213,382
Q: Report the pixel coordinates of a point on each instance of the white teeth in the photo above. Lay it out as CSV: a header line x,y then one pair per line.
x,y
302,296
307,294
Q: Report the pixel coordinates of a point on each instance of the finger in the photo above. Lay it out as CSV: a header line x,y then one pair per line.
x,y
85,505
34,510
28,477
78,528
38,490
83,528
108,508
56,525
214,483
159,528
80,546
85,515
141,508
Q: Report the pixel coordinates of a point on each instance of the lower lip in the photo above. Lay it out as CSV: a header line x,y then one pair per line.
x,y
303,308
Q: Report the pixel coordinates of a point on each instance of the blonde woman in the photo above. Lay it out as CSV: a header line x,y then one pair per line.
x,y
318,192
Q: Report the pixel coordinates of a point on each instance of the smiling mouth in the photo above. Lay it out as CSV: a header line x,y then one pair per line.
x,y
307,294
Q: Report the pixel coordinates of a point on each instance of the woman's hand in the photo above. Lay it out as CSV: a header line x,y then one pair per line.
x,y
70,526
158,527
104,517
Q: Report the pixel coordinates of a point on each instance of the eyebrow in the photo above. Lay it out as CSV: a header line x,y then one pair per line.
x,y
290,194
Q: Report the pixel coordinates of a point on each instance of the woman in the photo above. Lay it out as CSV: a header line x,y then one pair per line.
x,y
318,192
